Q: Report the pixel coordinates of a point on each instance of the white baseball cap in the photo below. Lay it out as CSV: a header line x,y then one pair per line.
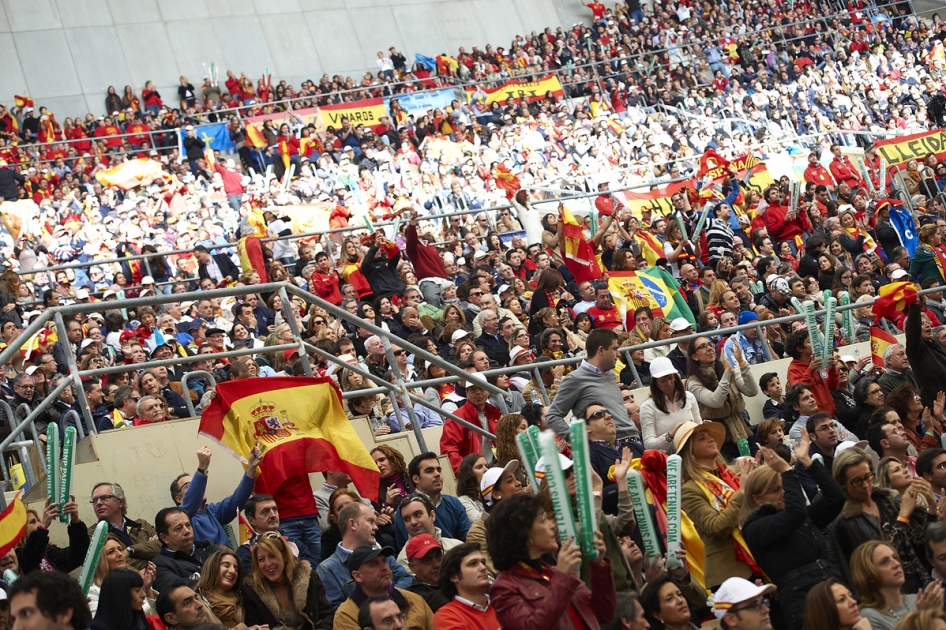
x,y
459,334
492,476
680,324
662,366
899,273
563,462
515,352
82,294
147,280
734,591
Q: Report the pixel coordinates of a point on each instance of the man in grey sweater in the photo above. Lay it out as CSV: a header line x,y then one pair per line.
x,y
593,382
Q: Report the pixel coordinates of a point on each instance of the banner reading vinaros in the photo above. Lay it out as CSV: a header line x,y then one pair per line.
x,y
529,90
917,146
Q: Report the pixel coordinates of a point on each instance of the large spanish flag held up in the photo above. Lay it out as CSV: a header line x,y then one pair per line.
x,y
298,421
880,340
578,254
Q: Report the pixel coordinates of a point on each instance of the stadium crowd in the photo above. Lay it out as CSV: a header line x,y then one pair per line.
x,y
826,511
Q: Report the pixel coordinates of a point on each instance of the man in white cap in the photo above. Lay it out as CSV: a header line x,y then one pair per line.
x,y
680,327
741,605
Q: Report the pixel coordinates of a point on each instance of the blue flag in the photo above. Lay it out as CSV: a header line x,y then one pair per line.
x,y
427,62
216,137
903,222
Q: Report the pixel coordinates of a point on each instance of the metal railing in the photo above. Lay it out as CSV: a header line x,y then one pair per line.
x,y
23,419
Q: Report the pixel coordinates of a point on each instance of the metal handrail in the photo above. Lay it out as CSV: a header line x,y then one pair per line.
x,y
187,392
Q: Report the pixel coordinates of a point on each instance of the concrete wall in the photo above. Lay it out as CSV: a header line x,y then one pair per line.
x,y
65,53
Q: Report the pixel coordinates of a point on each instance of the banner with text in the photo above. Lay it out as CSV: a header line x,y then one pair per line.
x,y
530,90
917,146
419,103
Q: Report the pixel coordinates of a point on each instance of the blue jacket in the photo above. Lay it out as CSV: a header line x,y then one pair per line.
x,y
208,522
451,519
337,580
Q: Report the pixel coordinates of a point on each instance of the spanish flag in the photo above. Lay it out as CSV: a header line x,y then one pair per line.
x,y
250,249
132,174
506,180
651,249
299,423
12,525
22,101
578,254
37,344
254,137
880,339
892,299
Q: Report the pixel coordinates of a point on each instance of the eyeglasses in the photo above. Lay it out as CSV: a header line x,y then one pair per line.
x,y
860,481
398,353
598,415
319,321
135,399
827,427
703,346
102,499
756,605
389,621
874,391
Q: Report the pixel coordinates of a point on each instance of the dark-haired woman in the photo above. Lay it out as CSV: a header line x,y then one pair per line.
x,y
121,603
668,407
719,389
530,593
665,606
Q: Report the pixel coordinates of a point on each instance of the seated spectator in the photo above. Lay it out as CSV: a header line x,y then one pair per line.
x,y
427,478
282,591
864,501
358,526
878,578
262,514
742,605
50,599
465,581
519,535
774,407
122,598
471,472
424,556
36,553
113,557
372,577
417,514
664,604
108,503
181,557
898,370
669,407
181,608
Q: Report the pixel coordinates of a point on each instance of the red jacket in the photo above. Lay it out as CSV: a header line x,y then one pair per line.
x,y
781,230
524,600
456,441
232,181
843,171
326,286
427,262
799,372
818,174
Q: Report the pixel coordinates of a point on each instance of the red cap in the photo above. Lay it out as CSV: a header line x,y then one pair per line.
x,y
420,545
288,353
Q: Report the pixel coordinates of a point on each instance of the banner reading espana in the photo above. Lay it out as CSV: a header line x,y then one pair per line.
x,y
917,146
652,287
300,424
529,90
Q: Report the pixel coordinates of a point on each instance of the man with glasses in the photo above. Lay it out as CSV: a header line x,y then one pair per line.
x,y
741,605
931,465
603,452
381,613
823,431
108,503
123,415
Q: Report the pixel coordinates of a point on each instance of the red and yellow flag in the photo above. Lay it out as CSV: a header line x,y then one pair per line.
x,y
131,174
506,180
298,421
254,137
22,101
578,254
893,298
250,249
880,340
38,343
12,525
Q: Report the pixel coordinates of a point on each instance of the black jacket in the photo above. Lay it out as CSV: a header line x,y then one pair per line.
x,y
381,274
887,236
495,348
929,354
431,594
227,268
10,182
37,547
176,566
193,148
788,544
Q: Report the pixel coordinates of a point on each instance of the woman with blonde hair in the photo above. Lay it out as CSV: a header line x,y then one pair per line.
x,y
783,531
464,350
926,262
508,427
114,557
219,587
712,498
282,592
878,578
659,330
928,619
